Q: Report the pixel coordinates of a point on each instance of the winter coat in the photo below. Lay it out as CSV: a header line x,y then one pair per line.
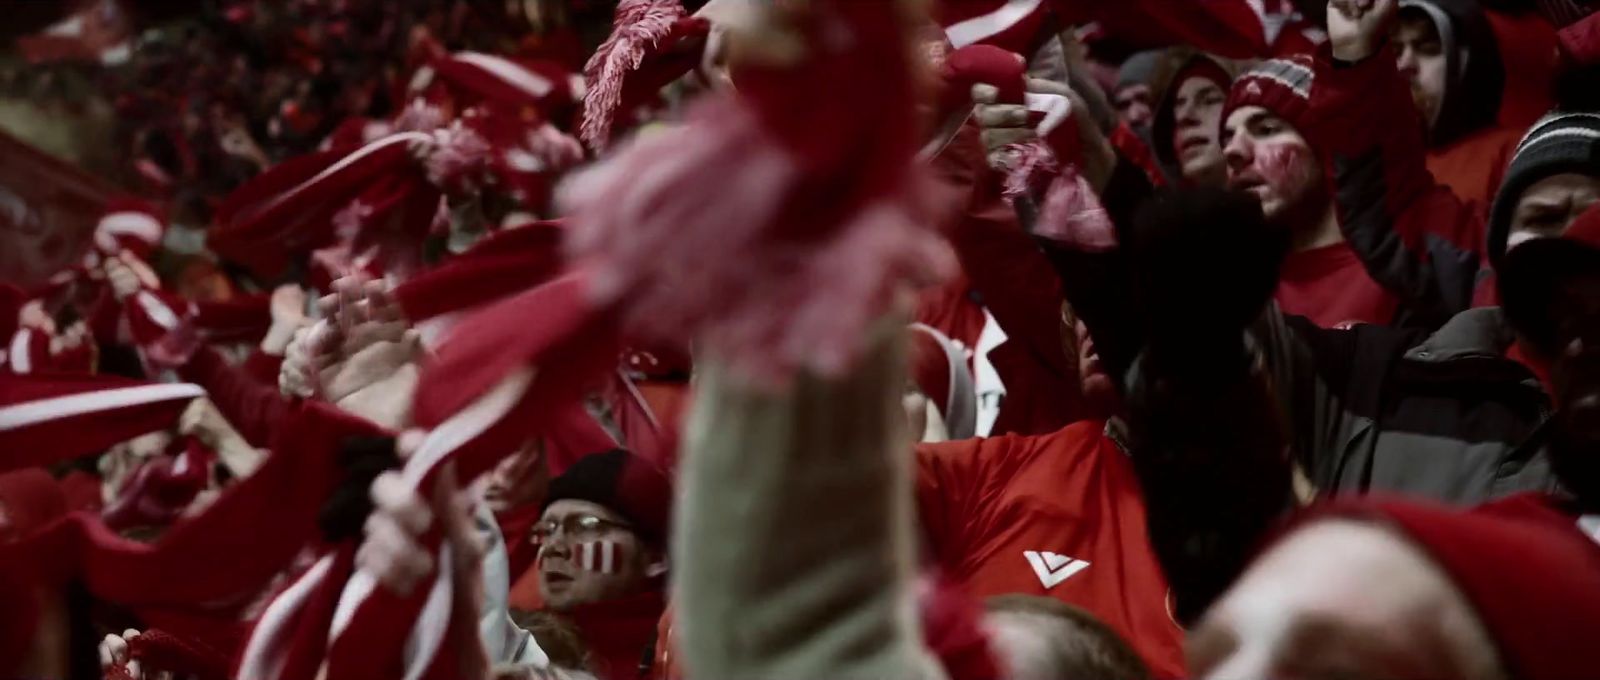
x,y
1373,409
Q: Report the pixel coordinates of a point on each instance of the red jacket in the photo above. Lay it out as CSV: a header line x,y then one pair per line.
x,y
1057,515
1416,239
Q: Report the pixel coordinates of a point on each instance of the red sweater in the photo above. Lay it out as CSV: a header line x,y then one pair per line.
x,y
1331,287
1058,515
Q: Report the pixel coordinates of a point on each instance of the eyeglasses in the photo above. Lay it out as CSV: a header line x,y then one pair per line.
x,y
575,527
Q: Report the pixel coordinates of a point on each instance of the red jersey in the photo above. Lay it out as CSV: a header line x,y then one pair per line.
x,y
1058,515
1331,287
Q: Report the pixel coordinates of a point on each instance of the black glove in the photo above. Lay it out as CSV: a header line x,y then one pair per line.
x,y
363,458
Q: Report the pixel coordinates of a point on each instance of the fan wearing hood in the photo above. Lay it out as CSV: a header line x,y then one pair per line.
x,y
1187,119
1446,49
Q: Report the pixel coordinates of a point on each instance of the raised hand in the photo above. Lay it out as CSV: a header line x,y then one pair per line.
x,y
361,357
127,274
1357,28
288,315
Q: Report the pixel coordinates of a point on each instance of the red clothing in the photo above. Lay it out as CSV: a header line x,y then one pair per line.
x,y
1329,286
1473,167
618,633
263,367
621,634
1058,515
953,309
1527,49
1018,286
1418,240
254,409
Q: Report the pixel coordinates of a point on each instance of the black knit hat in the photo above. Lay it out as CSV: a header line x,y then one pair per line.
x,y
1560,142
623,483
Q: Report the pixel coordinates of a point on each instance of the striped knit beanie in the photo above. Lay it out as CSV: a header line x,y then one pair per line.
x,y
1560,142
1282,86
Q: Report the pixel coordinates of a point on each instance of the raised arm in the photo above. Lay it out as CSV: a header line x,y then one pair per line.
x,y
1096,277
787,587
1415,237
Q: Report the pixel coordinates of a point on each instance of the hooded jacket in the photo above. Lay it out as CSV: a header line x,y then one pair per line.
x,y
1176,63
1475,78
1468,150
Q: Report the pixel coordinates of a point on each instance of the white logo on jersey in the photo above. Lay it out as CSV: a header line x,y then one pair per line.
x,y
1051,568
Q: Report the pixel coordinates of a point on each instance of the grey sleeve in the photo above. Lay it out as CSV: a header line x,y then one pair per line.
x,y
793,541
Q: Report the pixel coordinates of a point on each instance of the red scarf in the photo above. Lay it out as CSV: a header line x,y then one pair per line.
x,y
621,633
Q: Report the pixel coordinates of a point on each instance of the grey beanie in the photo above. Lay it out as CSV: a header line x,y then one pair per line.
x,y
1139,68
1560,142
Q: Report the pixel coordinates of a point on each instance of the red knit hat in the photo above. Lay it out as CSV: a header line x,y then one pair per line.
x,y
1282,86
130,224
1529,567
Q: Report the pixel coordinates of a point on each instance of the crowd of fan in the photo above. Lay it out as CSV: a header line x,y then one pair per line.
x,y
968,339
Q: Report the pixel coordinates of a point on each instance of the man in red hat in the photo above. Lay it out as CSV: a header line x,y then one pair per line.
x,y
1335,155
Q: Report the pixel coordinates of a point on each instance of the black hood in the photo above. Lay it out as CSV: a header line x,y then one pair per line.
x,y
1476,77
1177,62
